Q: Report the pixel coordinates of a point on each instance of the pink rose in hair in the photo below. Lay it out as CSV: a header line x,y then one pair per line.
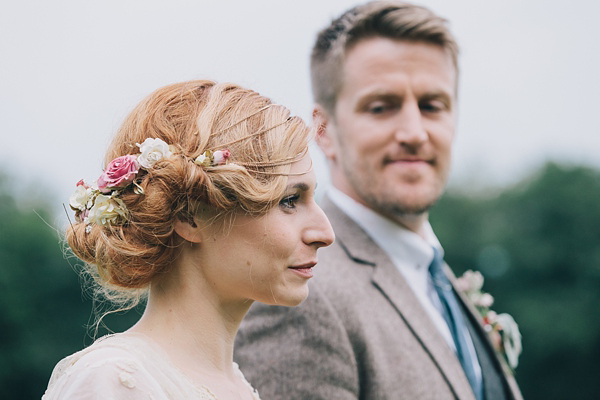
x,y
119,173
221,156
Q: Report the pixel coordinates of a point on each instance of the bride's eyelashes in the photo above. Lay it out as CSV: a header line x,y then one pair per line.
x,y
289,202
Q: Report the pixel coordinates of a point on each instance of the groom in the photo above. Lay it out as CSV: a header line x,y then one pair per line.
x,y
382,320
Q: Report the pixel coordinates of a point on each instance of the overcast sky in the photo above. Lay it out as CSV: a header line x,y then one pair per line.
x,y
72,70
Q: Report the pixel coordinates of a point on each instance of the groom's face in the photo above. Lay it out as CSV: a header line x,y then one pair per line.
x,y
389,139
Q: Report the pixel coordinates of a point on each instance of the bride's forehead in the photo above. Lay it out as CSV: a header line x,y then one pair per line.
x,y
302,171
302,165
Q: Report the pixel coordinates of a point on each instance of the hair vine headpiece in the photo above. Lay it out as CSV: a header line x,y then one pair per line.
x,y
241,120
254,133
99,203
289,160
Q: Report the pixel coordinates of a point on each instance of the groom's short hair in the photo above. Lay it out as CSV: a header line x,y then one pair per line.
x,y
388,19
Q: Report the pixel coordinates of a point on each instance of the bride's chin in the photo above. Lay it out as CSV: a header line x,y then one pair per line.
x,y
291,298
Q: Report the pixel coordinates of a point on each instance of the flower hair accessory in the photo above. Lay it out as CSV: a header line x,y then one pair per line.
x,y
211,159
502,328
99,203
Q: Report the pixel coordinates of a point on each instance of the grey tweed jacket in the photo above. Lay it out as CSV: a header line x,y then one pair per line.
x,y
361,334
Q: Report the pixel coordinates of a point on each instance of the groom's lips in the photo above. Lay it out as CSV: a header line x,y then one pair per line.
x,y
408,159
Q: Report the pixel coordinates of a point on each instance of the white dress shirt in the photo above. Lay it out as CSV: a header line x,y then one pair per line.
x,y
410,253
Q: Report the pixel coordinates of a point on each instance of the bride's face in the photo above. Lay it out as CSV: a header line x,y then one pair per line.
x,y
270,258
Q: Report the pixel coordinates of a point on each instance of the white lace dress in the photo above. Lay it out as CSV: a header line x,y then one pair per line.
x,y
124,366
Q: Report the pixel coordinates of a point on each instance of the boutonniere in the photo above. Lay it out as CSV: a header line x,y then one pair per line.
x,y
502,328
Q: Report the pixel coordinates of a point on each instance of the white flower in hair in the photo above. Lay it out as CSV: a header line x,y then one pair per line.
x,y
152,150
202,159
107,211
81,198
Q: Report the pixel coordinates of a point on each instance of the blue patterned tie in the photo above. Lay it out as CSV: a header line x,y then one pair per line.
x,y
454,318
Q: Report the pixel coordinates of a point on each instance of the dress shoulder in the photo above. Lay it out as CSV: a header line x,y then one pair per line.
x,y
101,373
121,367
239,372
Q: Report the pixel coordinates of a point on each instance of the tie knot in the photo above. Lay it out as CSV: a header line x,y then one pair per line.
x,y
436,270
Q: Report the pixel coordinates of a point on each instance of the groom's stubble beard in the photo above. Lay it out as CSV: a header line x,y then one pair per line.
x,y
385,200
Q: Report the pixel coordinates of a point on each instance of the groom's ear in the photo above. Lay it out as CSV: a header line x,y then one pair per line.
x,y
190,230
323,129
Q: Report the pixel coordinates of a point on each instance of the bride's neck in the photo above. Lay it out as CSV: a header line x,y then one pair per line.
x,y
192,323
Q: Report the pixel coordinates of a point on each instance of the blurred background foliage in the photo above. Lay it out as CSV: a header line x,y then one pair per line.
x,y
43,314
537,244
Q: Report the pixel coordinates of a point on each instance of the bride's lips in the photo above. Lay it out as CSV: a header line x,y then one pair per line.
x,y
304,270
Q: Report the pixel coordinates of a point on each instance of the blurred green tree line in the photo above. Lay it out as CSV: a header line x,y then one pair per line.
x,y
538,246
536,243
43,314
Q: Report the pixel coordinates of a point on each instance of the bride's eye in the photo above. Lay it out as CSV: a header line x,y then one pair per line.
x,y
289,202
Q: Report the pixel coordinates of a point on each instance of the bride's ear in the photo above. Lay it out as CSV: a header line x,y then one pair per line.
x,y
190,231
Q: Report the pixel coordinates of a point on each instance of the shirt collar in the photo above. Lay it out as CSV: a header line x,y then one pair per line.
x,y
398,242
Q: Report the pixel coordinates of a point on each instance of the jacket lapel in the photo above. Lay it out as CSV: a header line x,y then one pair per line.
x,y
389,281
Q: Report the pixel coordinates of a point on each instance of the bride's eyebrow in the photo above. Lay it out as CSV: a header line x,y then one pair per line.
x,y
300,185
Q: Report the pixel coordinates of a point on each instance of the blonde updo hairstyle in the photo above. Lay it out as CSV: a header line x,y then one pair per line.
x,y
193,117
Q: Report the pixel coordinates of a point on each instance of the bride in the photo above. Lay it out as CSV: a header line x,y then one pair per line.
x,y
205,205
